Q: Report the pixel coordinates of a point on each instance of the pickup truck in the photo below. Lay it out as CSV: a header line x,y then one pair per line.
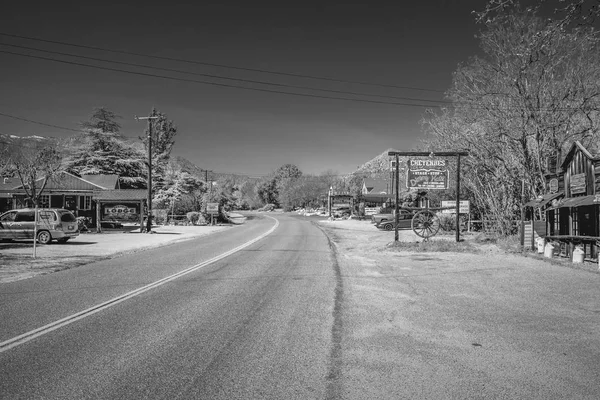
x,y
385,220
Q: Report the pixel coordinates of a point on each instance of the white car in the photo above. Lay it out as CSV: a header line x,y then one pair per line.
x,y
53,224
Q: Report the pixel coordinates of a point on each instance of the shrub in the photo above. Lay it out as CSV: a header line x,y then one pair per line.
x,y
193,217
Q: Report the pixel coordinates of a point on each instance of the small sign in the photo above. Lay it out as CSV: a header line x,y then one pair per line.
x,y
553,185
372,210
212,208
578,184
464,206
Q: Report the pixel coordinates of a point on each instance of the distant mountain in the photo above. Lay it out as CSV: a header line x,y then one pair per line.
x,y
378,167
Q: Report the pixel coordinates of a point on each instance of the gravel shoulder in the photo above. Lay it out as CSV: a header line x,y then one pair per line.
x,y
17,262
477,324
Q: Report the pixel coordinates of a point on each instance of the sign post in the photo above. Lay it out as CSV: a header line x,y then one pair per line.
x,y
212,209
430,174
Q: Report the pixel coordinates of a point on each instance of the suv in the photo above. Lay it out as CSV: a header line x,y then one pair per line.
x,y
53,224
385,219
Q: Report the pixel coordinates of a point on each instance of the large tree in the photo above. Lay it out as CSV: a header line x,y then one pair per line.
x,y
163,140
101,149
535,90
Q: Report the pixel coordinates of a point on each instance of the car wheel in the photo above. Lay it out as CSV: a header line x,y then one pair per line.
x,y
44,237
388,227
63,240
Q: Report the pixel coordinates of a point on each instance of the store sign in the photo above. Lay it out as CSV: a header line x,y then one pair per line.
x,y
553,185
577,184
212,208
431,173
463,206
121,212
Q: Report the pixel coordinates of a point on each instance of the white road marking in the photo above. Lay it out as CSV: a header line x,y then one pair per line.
x,y
25,337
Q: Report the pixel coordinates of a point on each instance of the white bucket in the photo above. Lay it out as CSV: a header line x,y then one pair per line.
x,y
578,255
549,250
540,245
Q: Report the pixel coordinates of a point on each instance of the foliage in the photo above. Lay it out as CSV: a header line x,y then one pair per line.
x,y
163,140
35,163
533,92
100,149
193,217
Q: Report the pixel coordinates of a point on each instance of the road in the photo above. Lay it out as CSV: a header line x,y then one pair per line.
x,y
296,315
259,323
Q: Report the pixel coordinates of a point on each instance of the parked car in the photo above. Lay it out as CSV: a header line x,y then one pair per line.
x,y
385,220
340,212
53,224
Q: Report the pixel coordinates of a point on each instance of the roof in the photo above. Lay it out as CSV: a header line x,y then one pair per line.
x,y
103,181
576,146
541,201
579,201
6,184
121,195
376,186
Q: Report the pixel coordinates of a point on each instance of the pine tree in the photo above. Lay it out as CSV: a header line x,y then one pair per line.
x,y
101,149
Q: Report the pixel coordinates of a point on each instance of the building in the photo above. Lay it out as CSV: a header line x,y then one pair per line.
x,y
574,219
97,197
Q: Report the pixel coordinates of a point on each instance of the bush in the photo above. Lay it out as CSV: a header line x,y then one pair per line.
x,y
448,222
267,207
193,217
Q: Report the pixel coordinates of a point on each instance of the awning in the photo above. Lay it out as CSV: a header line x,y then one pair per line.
x,y
541,201
580,201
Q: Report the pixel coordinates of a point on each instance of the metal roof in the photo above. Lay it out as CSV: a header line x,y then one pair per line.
x,y
121,195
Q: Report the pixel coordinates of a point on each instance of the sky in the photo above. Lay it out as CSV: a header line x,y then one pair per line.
x,y
406,51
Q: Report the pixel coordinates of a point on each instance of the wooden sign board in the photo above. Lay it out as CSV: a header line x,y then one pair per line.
x,y
212,208
578,184
463,206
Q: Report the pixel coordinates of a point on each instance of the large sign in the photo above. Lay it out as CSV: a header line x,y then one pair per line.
x,y
578,184
463,207
372,210
123,212
428,174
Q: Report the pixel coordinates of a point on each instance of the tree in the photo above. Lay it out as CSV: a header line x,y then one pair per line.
x,y
35,163
100,149
163,139
536,89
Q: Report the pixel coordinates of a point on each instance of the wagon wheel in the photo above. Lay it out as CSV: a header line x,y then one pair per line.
x,y
425,224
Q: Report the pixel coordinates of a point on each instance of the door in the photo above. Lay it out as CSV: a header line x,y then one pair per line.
x,y
6,225
24,223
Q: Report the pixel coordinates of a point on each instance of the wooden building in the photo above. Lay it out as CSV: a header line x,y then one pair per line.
x,y
574,219
97,197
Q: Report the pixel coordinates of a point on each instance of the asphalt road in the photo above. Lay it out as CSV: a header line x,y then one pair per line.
x,y
257,324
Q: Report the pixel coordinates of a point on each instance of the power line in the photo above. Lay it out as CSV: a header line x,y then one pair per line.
x,y
40,123
224,77
216,83
220,65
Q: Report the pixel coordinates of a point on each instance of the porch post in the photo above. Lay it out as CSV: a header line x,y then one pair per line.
x,y
98,224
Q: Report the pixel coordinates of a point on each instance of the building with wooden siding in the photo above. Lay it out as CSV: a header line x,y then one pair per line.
x,y
574,220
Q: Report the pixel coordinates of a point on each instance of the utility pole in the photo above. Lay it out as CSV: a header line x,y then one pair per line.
x,y
149,200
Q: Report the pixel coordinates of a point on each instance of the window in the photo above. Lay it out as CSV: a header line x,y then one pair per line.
x,y
25,216
47,216
9,217
85,202
45,201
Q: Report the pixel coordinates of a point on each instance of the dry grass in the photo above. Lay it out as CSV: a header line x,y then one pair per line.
x,y
17,266
434,246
